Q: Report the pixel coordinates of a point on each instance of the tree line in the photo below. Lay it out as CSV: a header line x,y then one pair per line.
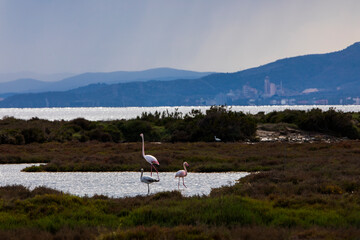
x,y
166,126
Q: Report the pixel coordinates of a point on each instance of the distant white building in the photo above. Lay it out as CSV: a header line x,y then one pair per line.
x,y
272,89
269,88
284,101
356,101
249,92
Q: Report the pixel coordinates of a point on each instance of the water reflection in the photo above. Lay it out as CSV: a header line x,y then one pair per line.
x,y
114,184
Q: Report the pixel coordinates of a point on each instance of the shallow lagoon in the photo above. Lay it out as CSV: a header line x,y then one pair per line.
x,y
114,184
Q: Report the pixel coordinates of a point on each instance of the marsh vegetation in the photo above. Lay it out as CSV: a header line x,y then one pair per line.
x,y
195,126
296,191
303,191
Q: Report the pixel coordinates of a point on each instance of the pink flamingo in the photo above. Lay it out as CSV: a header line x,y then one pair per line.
x,y
149,158
182,174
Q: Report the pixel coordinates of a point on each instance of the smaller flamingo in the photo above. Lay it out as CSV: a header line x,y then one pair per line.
x,y
182,174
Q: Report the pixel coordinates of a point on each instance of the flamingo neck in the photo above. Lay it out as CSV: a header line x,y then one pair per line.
x,y
185,167
143,145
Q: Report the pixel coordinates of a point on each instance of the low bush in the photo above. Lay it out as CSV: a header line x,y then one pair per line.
x,y
330,122
195,126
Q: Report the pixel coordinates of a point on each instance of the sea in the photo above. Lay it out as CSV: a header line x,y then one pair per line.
x,y
116,113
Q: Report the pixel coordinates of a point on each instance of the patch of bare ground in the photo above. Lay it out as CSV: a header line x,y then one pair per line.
x,y
291,133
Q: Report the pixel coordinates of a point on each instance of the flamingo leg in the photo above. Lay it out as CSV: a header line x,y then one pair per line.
x,y
151,168
155,170
179,184
184,182
148,189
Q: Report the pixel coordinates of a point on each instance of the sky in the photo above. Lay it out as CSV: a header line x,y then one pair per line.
x,y
76,36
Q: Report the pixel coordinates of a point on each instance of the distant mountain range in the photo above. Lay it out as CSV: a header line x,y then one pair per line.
x,y
9,77
332,78
27,85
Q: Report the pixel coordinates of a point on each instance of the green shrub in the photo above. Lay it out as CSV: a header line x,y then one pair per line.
x,y
33,135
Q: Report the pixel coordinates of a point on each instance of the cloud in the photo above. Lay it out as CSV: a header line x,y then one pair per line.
x,y
205,35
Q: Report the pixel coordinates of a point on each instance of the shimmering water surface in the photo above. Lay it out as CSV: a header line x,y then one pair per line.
x,y
114,184
107,113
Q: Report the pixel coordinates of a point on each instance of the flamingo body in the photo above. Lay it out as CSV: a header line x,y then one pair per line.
x,y
182,174
149,158
147,180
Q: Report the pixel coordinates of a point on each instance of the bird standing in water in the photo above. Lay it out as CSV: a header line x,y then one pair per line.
x,y
182,174
147,180
149,158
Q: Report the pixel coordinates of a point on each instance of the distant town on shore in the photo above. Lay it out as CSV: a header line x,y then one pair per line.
x,y
317,79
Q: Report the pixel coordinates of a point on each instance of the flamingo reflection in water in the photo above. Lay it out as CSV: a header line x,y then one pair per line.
x,y
182,174
147,180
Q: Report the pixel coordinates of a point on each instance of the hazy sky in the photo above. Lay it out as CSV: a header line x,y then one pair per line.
x,y
54,36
